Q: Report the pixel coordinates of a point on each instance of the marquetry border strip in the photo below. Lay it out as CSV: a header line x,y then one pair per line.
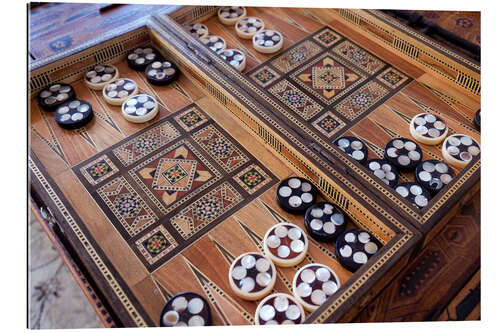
x,y
440,61
97,260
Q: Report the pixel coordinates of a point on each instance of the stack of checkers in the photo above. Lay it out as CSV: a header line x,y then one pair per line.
x,y
313,284
231,14
459,149
73,114
213,42
355,247
295,195
267,41
247,27
353,147
477,120
415,193
252,276
197,30
279,309
186,309
234,57
324,221
139,58
161,73
70,113
403,153
54,95
428,128
118,91
99,75
140,108
384,171
433,175
286,244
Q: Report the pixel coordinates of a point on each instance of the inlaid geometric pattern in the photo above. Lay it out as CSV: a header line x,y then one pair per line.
x,y
191,118
151,140
220,148
361,100
98,170
327,78
392,77
296,56
252,178
265,76
326,37
175,175
127,206
165,186
328,124
206,210
358,57
295,99
156,244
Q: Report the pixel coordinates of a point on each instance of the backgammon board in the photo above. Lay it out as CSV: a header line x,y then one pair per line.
x,y
154,209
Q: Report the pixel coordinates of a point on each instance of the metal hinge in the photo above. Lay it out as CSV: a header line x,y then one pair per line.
x,y
199,53
48,216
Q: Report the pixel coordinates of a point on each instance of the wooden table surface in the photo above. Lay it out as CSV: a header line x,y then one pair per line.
x,y
58,26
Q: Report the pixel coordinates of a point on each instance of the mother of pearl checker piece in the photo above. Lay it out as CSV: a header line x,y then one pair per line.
x,y
252,276
286,244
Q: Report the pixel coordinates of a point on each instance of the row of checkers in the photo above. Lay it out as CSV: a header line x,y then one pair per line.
x,y
252,275
405,155
263,40
72,113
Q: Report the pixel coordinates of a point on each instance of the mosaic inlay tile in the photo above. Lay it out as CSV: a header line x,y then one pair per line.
x,y
146,143
98,170
328,124
327,78
191,118
156,244
174,175
252,178
220,148
295,99
206,210
296,56
265,76
327,37
127,206
359,57
392,78
361,100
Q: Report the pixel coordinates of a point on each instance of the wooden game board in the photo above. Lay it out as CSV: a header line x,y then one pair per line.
x,y
83,175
